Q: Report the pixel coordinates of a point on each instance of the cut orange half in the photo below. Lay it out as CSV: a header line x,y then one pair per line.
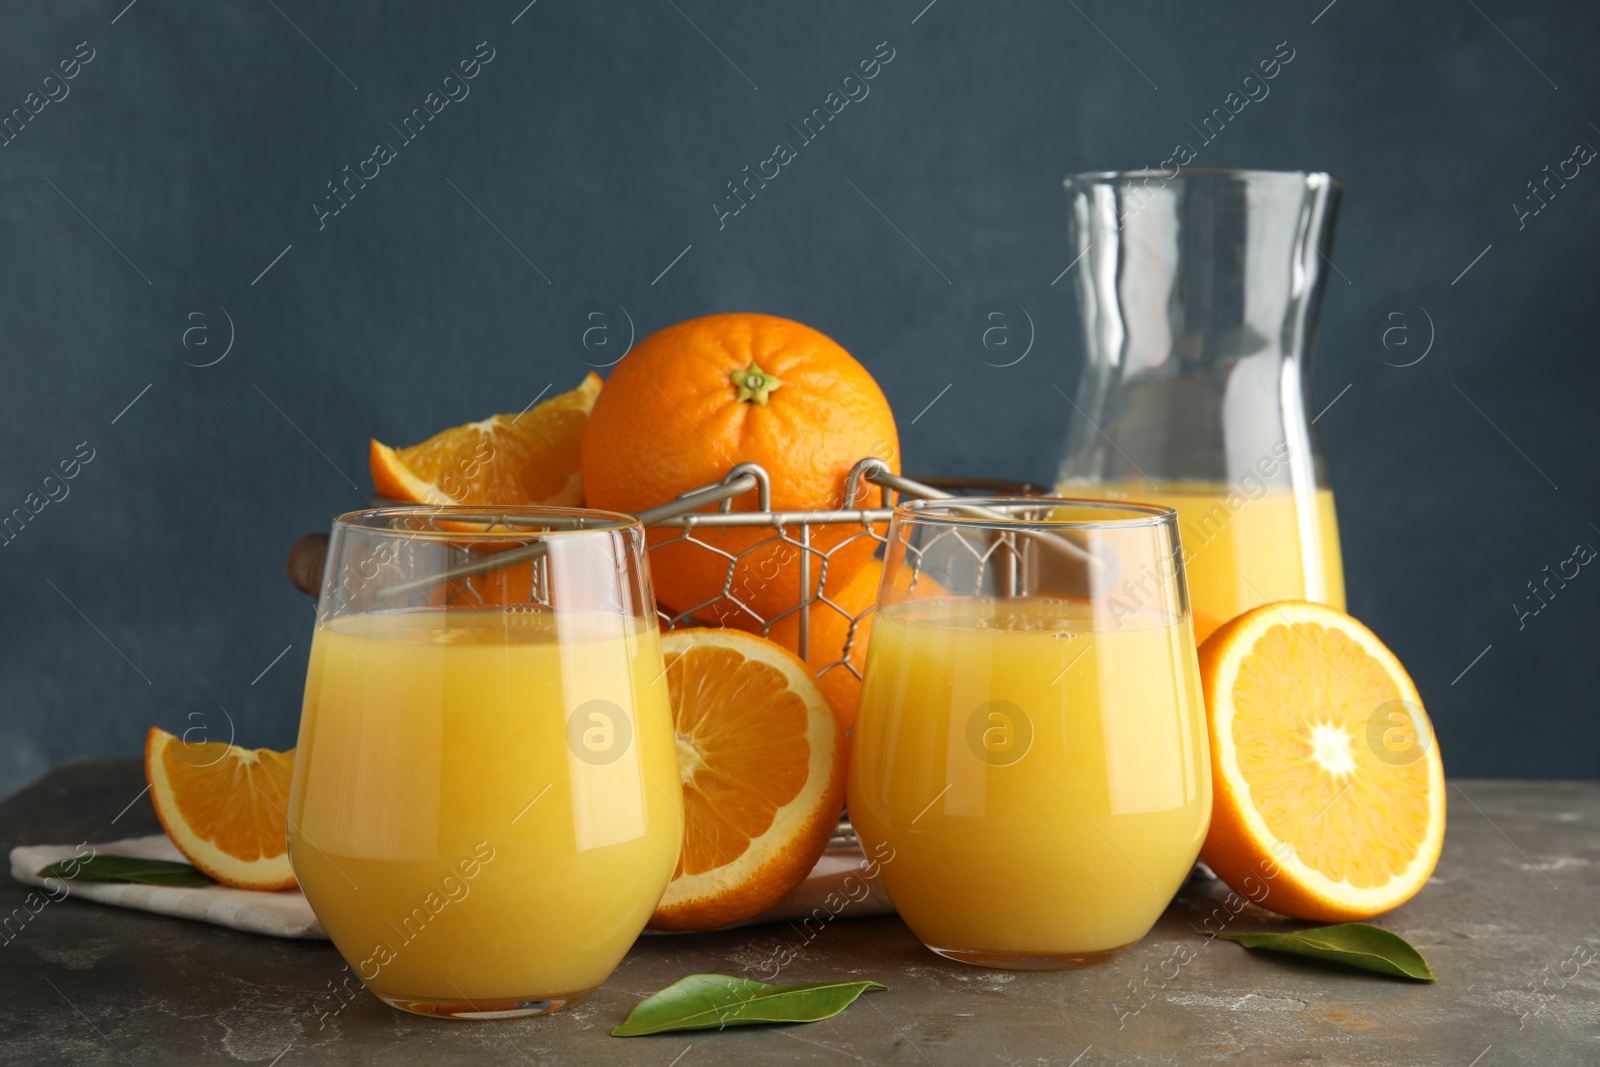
x,y
762,761
224,807
1329,790
531,458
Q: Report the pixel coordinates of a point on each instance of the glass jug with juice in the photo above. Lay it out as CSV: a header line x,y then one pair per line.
x,y
1199,293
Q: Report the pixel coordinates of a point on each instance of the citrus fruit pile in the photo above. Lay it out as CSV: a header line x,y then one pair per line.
x,y
680,409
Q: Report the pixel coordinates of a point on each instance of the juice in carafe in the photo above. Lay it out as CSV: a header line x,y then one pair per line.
x,y
1243,549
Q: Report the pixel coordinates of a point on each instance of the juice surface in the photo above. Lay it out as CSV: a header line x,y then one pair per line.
x,y
486,802
1237,559
1040,774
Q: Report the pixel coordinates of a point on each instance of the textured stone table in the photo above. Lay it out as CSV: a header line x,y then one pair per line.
x,y
1508,924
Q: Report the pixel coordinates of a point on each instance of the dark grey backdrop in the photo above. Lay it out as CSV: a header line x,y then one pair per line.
x,y
192,149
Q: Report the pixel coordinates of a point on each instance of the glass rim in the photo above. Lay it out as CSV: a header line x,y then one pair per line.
x,y
1132,515
567,521
1096,177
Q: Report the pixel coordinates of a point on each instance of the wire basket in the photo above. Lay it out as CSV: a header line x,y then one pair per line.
x,y
795,529
685,515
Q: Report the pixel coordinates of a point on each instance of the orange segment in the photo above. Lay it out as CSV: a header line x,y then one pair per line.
x,y
531,458
1328,783
762,762
224,807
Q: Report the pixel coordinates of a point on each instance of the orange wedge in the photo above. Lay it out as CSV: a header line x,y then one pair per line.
x,y
1329,790
225,807
762,760
531,458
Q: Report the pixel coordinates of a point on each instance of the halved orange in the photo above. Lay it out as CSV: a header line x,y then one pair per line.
x,y
531,458
224,807
1329,791
763,765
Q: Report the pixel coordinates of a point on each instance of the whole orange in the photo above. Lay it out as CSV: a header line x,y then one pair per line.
x,y
849,600
693,400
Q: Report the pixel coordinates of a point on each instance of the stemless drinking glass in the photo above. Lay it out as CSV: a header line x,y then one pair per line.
x,y
486,806
1030,760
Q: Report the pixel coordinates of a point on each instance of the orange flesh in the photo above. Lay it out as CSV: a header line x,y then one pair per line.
x,y
749,732
528,458
525,460
238,805
1303,699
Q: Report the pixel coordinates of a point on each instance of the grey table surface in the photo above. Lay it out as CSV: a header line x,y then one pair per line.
x,y
1510,924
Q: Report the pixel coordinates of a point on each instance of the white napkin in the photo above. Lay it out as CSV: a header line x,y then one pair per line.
x,y
841,885
284,913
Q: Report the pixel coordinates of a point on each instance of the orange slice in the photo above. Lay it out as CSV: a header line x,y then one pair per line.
x,y
1329,790
225,807
531,458
762,761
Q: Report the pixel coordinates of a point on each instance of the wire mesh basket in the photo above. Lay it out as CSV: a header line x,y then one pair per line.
x,y
688,518
796,531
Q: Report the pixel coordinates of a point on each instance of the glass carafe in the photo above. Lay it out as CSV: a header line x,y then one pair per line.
x,y
1199,295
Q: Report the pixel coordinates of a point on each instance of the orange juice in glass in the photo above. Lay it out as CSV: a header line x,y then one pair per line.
x,y
486,805
1031,744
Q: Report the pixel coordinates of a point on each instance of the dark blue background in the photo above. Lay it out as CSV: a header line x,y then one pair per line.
x,y
200,136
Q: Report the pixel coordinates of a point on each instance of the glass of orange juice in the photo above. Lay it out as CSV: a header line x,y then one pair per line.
x,y
1030,753
486,805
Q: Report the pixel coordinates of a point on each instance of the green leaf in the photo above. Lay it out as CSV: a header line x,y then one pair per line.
x,y
713,1001
1352,944
128,869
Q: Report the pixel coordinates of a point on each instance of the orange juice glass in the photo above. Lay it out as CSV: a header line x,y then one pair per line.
x,y
486,806
1030,752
